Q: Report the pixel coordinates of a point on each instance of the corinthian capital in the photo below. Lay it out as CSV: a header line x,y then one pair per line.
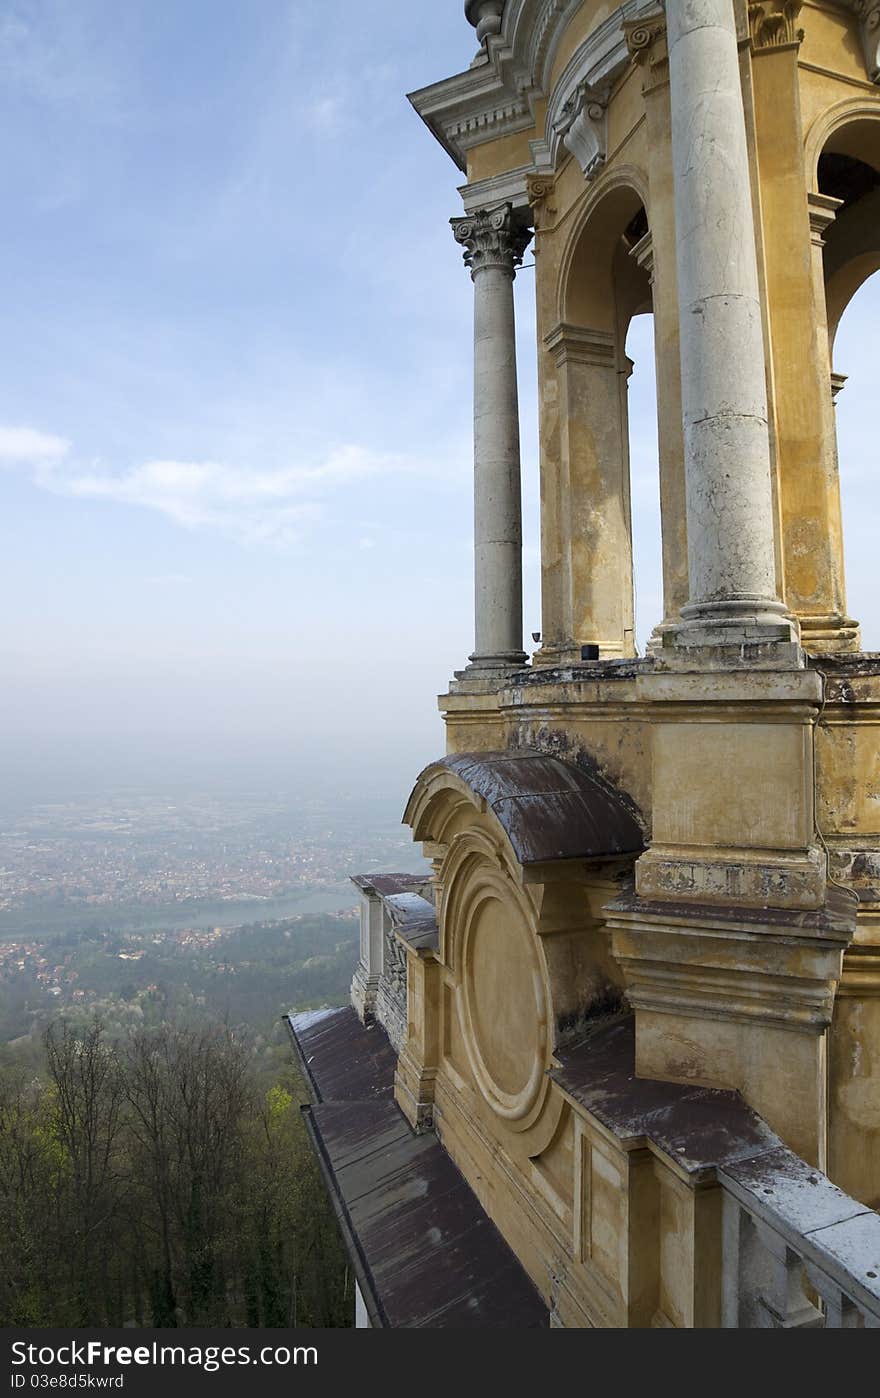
x,y
491,238
773,24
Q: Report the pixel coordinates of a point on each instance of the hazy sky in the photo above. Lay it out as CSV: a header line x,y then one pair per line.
x,y
236,399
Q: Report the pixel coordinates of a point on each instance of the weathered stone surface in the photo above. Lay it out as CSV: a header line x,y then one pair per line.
x,y
718,167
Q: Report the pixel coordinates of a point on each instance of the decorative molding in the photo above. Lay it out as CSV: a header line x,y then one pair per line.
x,y
837,382
710,965
822,209
509,187
491,238
867,13
583,126
597,64
861,973
646,40
773,24
572,344
539,189
642,253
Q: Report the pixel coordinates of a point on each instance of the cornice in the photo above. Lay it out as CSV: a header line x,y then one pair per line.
x,y
509,187
574,344
497,95
822,210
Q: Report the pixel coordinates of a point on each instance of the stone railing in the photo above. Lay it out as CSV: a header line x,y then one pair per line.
x,y
796,1251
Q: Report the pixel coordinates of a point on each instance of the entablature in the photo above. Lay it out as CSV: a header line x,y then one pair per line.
x,y
513,71
497,95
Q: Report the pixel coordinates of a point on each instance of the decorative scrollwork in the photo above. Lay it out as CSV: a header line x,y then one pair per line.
x,y
646,39
868,14
583,126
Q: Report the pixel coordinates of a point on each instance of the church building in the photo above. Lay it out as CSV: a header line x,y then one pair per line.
x,y
616,1062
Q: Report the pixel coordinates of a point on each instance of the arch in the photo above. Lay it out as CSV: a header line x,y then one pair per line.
x,y
610,204
852,241
855,416
645,485
852,256
603,282
842,155
519,838
851,127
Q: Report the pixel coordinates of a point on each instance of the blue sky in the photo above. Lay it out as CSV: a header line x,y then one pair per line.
x,y
235,407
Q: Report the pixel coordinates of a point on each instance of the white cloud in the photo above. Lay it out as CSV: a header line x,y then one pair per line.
x,y
22,446
253,505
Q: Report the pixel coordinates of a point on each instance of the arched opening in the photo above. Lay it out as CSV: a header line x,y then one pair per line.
x,y
849,172
605,283
644,480
852,243
856,414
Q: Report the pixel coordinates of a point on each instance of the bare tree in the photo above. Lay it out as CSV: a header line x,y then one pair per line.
x,y
88,1096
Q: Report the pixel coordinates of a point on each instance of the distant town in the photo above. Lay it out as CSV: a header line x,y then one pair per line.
x,y
140,850
132,906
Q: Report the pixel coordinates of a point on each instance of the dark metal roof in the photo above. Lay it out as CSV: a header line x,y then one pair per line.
x,y
550,809
341,1060
424,1251
414,919
701,1128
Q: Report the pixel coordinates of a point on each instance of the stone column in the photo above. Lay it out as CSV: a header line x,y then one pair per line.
x,y
493,245
734,600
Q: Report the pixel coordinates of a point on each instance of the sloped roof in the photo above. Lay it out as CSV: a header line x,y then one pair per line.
x,y
549,809
425,1253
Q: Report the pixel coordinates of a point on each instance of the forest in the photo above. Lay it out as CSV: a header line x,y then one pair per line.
x,y
247,975
160,1177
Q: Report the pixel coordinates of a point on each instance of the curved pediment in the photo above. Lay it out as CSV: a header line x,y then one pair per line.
x,y
548,808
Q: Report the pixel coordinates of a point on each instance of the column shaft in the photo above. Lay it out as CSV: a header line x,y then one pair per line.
x,y
497,490
493,248
730,518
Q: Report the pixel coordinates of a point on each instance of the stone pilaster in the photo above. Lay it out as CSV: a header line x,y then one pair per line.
x,y
368,972
808,492
597,603
494,243
655,252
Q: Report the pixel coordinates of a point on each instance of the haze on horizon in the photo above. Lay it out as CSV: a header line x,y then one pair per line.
x,y
235,421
